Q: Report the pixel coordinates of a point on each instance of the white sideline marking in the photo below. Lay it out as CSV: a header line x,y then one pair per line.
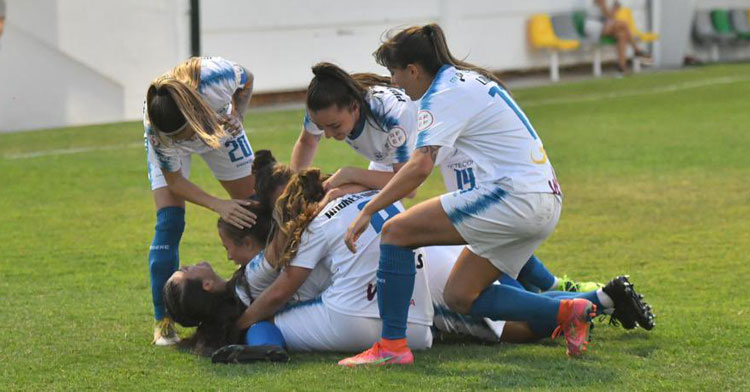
x,y
74,150
646,91
533,103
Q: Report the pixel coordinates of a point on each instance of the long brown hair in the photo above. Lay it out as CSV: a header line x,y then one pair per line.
x,y
424,45
295,209
172,102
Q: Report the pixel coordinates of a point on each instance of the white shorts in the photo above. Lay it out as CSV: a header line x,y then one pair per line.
x,y
439,261
503,227
315,327
227,163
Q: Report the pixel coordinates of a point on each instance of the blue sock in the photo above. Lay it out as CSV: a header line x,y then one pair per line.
x,y
264,333
507,280
163,255
396,273
589,295
502,302
535,273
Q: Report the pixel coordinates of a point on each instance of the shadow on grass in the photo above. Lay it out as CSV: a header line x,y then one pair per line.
x,y
452,363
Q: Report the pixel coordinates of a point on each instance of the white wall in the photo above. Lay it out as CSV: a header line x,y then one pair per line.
x,y
69,62
90,61
280,40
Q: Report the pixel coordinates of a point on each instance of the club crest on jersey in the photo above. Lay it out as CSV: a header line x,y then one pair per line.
x,y
396,137
154,140
424,120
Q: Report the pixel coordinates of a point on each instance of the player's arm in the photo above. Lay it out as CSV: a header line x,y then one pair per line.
x,y
366,179
404,182
241,97
304,150
231,211
274,297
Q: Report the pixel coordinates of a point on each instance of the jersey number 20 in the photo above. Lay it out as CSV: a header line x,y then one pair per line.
x,y
239,144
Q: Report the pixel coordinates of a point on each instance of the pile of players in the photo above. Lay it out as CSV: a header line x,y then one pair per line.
x,y
335,262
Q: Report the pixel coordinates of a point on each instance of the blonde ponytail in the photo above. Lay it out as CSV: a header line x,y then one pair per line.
x,y
173,102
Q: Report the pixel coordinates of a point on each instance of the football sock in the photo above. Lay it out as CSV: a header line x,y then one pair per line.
x,y
163,255
503,302
396,272
507,280
535,273
264,333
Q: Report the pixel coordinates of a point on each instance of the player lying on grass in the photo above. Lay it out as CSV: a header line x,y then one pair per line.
x,y
257,275
379,122
196,108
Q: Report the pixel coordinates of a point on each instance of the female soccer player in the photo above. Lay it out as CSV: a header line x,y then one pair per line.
x,y
307,242
364,110
512,207
196,108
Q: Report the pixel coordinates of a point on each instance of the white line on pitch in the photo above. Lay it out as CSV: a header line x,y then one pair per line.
x,y
646,91
73,150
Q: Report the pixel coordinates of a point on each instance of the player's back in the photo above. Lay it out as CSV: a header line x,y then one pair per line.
x,y
353,289
468,111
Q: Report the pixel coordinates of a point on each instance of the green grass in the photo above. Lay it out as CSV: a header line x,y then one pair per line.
x,y
656,183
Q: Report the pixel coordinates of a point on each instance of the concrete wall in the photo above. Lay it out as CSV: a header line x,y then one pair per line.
x,y
66,62
280,40
72,62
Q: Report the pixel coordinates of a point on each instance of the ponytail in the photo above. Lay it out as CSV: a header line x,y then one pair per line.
x,y
426,46
295,209
173,103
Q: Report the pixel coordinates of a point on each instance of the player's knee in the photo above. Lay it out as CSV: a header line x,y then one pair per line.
x,y
394,233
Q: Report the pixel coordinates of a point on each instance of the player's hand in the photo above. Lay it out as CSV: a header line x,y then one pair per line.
x,y
234,212
232,123
332,194
356,229
341,177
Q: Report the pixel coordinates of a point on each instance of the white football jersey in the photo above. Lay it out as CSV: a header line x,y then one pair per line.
x,y
260,274
353,290
220,79
387,138
466,111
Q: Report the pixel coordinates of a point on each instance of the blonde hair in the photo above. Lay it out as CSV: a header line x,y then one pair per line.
x,y
173,101
295,209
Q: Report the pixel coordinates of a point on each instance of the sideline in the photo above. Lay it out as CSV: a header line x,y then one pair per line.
x,y
531,103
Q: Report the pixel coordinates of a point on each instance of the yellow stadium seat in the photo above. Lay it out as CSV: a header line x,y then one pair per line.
x,y
542,35
626,15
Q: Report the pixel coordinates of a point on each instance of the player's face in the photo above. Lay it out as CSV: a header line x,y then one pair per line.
x,y
239,254
412,78
202,272
336,122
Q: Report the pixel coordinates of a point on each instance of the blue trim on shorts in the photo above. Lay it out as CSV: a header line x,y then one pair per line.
x,y
302,304
459,214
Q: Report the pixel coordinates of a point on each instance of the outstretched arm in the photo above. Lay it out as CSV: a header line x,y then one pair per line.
x,y
231,211
406,181
274,297
304,150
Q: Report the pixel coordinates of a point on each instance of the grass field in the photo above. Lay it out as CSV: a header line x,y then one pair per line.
x,y
656,175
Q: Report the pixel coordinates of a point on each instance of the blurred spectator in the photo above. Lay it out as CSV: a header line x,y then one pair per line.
x,y
600,20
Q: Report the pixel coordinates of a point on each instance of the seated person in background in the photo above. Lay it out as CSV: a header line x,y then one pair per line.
x,y
601,21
